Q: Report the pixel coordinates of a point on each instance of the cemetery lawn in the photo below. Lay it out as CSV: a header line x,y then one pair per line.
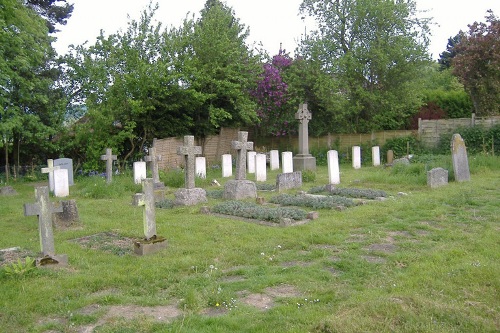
x,y
423,260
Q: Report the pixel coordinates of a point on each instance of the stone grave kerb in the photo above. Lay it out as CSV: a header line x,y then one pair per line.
x,y
50,170
43,208
303,115
242,145
147,200
152,159
189,151
109,158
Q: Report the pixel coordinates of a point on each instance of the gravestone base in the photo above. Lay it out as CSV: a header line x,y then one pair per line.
x,y
58,259
144,247
240,189
190,196
304,162
7,190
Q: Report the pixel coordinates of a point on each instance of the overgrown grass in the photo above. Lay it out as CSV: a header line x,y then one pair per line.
x,y
427,261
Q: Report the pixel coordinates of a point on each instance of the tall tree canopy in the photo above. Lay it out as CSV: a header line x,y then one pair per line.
x,y
375,49
53,11
477,64
447,56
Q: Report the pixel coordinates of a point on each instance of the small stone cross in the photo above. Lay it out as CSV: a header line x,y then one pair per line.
x,y
242,146
147,199
189,150
109,158
50,170
303,116
44,209
153,160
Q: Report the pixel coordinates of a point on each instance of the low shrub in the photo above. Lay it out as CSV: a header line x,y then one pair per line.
x,y
316,202
258,212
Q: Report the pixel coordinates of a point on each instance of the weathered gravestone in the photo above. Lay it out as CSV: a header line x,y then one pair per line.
x,y
260,168
274,160
286,162
251,161
151,242
190,195
109,158
286,181
66,163
201,167
376,155
43,208
7,190
50,170
459,159
68,217
227,165
333,167
61,183
139,172
240,187
152,160
356,157
437,177
303,160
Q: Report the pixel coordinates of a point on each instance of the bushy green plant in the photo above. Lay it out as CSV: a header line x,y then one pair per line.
x,y
258,212
165,204
477,139
265,187
20,268
95,187
215,194
308,176
315,202
173,177
399,146
358,193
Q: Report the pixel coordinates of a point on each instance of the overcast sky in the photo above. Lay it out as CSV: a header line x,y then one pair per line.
x,y
270,21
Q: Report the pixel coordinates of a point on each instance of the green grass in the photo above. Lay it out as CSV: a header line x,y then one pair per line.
x,y
427,261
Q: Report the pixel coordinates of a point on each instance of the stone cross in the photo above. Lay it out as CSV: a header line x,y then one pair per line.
x,y
189,150
303,115
147,199
109,158
44,209
153,160
242,146
50,170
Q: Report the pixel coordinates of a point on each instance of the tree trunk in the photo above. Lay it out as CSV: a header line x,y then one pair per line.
x,y
6,160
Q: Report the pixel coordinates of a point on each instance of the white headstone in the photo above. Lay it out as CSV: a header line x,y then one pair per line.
x,y
260,168
274,159
201,167
376,155
50,170
251,161
139,172
287,161
61,183
66,163
333,167
356,157
227,165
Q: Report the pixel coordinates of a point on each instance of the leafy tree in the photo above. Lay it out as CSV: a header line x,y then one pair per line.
x,y
447,56
28,97
376,50
53,11
477,64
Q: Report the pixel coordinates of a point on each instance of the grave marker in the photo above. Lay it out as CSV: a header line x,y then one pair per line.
x,y
376,155
201,167
286,162
390,157
260,168
227,165
356,157
251,161
437,177
151,243
50,170
240,188
43,208
61,183
286,181
109,158
303,160
66,163
274,159
139,172
190,195
152,159
459,158
333,167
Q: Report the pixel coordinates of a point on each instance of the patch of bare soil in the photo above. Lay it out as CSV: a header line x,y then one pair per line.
x,y
214,312
384,248
260,301
108,242
283,290
374,259
296,263
11,255
130,312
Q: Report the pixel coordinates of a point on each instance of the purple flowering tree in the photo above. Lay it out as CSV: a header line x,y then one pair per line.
x,y
273,98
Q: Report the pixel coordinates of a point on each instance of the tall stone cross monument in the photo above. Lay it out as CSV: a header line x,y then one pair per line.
x,y
190,195
240,187
152,159
43,208
109,158
303,160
